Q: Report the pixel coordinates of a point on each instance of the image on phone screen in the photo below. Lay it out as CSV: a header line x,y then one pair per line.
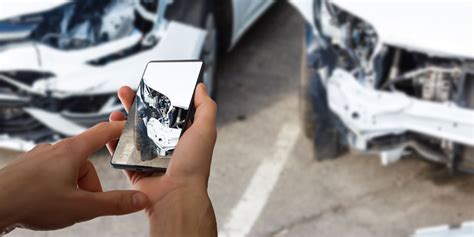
x,y
159,115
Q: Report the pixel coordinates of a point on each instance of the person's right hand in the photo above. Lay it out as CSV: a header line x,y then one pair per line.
x,y
54,186
180,203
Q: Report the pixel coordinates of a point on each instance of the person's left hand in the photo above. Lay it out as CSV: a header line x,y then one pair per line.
x,y
55,186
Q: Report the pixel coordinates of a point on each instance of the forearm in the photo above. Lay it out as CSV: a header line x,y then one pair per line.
x,y
8,201
183,215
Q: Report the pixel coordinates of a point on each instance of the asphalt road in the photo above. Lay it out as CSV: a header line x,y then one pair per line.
x,y
264,179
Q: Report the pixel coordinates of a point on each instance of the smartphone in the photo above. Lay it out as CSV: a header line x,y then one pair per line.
x,y
162,110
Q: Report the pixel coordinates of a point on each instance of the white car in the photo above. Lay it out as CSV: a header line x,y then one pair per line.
x,y
61,62
390,77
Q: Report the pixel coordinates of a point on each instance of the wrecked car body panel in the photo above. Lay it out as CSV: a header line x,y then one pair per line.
x,y
391,89
66,59
96,78
371,114
60,91
442,28
413,31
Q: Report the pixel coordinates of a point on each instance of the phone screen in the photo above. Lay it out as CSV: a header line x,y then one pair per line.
x,y
159,115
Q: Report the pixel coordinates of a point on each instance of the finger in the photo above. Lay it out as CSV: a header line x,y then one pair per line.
x,y
194,150
38,149
205,115
88,179
93,139
206,108
117,116
41,146
119,202
114,116
111,146
126,96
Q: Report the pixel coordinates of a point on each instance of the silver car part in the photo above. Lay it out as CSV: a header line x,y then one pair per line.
x,y
370,113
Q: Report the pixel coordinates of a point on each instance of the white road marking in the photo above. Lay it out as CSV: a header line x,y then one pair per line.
x,y
245,213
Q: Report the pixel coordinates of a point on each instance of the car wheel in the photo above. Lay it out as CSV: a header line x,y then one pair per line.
x,y
201,14
304,103
137,125
328,141
142,143
318,122
209,55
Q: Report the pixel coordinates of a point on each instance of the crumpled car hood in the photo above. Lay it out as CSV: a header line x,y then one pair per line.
x,y
74,76
442,27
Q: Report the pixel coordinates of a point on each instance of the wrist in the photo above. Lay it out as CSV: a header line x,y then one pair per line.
x,y
183,213
9,198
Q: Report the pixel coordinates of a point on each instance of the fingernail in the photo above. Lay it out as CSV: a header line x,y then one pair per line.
x,y
204,86
139,200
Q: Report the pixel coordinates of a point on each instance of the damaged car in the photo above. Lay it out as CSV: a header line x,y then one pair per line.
x,y
61,62
389,78
158,122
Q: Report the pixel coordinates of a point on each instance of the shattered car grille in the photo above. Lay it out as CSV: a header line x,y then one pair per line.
x,y
16,122
26,127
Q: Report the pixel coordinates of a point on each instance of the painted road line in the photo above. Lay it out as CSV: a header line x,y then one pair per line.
x,y
245,213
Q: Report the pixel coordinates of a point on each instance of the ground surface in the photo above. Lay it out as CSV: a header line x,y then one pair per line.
x,y
264,180
126,152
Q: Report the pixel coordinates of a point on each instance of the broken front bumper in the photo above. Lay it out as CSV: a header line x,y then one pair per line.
x,y
369,113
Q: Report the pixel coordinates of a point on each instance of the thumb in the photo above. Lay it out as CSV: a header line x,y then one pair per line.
x,y
120,202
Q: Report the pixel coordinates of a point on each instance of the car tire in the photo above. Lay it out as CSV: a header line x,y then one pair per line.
x,y
304,102
318,122
142,143
201,14
137,125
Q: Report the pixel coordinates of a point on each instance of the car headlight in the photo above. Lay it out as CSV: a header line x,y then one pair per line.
x,y
351,36
86,23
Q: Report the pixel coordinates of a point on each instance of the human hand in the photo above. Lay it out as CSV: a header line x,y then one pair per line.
x,y
55,186
180,203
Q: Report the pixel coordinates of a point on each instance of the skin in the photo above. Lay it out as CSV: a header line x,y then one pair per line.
x,y
180,202
55,186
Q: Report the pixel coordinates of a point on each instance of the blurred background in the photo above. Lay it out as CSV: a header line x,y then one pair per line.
x,y
274,171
